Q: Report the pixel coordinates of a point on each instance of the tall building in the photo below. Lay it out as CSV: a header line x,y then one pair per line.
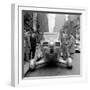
x,y
76,25
42,22
59,22
35,21
27,20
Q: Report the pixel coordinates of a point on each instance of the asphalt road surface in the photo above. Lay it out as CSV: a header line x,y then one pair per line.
x,y
57,71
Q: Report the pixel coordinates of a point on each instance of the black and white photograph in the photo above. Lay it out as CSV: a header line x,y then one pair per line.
x,y
50,43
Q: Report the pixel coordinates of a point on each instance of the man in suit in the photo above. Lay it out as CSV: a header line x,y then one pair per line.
x,y
71,44
26,45
33,45
64,48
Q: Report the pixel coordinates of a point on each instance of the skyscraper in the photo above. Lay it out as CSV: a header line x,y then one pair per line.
x,y
59,22
42,22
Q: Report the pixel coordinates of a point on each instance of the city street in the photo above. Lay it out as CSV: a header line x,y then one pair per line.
x,y
57,71
52,27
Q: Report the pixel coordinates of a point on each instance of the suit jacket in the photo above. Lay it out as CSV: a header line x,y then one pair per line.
x,y
33,42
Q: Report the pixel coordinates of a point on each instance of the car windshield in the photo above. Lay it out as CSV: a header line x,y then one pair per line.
x,y
51,36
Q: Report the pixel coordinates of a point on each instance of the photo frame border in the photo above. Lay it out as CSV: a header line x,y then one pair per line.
x,y
16,47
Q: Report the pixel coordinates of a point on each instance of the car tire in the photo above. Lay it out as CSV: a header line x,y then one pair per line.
x,y
32,65
70,67
77,51
69,63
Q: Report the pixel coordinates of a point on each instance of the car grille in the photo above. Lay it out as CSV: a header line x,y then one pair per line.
x,y
51,50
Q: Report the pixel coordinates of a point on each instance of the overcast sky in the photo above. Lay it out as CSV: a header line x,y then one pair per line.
x,y
51,21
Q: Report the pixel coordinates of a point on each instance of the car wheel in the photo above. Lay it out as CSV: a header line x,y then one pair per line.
x,y
69,63
69,67
77,51
32,64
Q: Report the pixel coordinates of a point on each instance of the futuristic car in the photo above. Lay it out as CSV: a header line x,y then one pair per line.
x,y
50,48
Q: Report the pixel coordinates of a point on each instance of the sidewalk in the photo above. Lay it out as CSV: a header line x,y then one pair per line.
x,y
26,67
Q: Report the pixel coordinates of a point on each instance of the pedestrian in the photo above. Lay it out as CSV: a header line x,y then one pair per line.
x,y
71,44
33,45
26,46
64,49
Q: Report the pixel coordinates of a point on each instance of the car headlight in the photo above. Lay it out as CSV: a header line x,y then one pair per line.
x,y
51,43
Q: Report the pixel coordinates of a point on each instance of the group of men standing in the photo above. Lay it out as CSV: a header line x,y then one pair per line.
x,y
68,45
29,45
